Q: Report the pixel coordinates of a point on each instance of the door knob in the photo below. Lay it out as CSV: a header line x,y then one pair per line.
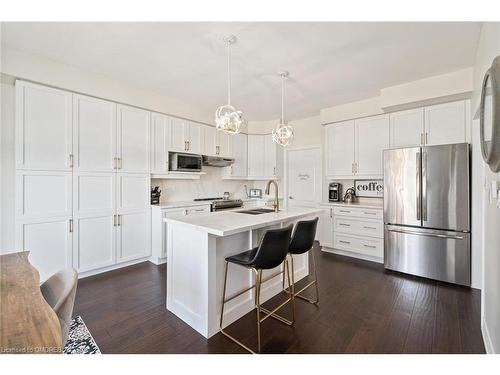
x,y
290,197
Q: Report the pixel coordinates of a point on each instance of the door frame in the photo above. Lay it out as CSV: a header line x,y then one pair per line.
x,y
285,172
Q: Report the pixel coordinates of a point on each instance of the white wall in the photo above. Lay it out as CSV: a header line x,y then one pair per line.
x,y
488,48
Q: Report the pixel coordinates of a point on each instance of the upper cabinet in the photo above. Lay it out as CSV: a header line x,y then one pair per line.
x,y
240,155
340,149
186,136
371,138
407,128
43,128
223,144
433,125
161,134
209,147
265,158
94,136
133,132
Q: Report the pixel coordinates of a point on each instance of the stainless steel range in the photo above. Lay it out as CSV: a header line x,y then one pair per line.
x,y
220,204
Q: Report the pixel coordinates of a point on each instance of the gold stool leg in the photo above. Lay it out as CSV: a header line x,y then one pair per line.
x,y
291,285
315,281
257,299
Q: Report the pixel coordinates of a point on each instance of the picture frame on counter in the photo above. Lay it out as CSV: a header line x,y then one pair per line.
x,y
369,188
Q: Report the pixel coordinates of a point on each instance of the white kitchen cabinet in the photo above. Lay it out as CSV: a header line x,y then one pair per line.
x,y
209,147
273,158
255,156
133,137
161,133
407,128
186,136
240,155
43,128
326,227
446,123
133,235
372,137
49,241
224,144
340,146
94,135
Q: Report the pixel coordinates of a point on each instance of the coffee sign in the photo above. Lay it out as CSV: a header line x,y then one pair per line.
x,y
369,188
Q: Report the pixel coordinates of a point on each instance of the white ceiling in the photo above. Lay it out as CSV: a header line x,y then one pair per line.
x,y
329,63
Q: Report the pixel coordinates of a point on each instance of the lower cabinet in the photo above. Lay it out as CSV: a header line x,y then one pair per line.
x,y
133,235
353,231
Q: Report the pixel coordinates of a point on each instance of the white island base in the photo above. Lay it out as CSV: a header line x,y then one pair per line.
x,y
196,248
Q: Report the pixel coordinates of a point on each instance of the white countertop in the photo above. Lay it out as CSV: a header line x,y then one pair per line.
x,y
225,223
355,204
181,204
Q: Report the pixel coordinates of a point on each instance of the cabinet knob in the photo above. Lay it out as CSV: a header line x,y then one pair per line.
x,y
290,197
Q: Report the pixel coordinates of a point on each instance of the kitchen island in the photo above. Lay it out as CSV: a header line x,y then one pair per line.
x,y
196,248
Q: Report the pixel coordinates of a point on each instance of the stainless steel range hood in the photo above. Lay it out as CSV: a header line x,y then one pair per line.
x,y
217,161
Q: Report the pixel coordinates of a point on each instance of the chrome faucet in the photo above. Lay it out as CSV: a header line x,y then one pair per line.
x,y
276,204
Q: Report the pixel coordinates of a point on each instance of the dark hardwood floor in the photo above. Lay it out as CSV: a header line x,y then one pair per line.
x,y
362,309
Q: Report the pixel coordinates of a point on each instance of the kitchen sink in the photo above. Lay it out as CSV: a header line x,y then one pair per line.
x,y
256,211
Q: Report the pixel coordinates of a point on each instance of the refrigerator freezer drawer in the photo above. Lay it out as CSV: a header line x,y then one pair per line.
x,y
435,254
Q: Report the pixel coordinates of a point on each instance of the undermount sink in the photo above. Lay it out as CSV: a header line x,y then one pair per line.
x,y
256,211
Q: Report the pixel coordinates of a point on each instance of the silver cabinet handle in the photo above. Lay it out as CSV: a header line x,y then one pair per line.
x,y
115,163
369,227
189,145
424,186
369,213
418,184
344,225
346,242
71,225
426,138
451,237
119,217
370,246
119,160
345,211
422,139
331,213
274,171
71,160
290,197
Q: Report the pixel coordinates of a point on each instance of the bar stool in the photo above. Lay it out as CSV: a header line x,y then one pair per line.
x,y
271,252
302,242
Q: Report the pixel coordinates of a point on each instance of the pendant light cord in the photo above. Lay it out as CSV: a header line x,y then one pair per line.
x,y
283,98
229,72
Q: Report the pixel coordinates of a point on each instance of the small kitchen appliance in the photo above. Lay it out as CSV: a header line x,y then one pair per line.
x,y
334,192
350,196
179,162
155,195
220,204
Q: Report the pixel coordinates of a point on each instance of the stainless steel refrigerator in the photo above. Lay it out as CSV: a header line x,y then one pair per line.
x,y
427,212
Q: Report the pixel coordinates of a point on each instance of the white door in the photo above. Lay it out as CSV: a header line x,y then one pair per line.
x,y
445,123
160,142
94,220
133,139
303,177
255,156
195,138
372,137
407,128
49,242
180,135
94,136
240,155
326,228
209,140
43,127
269,156
340,149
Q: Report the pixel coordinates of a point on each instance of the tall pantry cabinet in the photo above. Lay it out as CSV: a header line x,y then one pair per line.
x,y
82,180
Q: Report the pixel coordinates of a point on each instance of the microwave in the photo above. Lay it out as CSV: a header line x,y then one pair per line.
x,y
179,162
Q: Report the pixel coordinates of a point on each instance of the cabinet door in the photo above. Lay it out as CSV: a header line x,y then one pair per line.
x,y
407,128
240,155
372,137
94,230
134,235
180,135
195,138
445,123
269,156
340,149
326,227
43,127
255,156
133,192
224,144
94,136
49,242
160,142
209,140
133,139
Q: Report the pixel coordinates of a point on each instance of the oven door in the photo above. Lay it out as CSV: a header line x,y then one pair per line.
x,y
184,162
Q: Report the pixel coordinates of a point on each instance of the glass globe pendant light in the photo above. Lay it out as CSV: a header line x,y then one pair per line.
x,y
227,118
283,134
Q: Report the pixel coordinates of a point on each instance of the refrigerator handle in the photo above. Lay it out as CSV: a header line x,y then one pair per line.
x,y
424,186
418,187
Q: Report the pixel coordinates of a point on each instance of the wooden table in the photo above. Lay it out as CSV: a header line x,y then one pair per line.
x,y
27,323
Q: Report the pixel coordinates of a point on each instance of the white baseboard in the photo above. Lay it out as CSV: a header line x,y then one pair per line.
x,y
158,261
352,254
82,275
486,338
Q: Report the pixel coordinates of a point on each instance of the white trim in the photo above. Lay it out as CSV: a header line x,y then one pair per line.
x,y
113,267
352,254
488,345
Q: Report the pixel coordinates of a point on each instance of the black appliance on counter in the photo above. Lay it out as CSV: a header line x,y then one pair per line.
x,y
155,195
334,192
221,204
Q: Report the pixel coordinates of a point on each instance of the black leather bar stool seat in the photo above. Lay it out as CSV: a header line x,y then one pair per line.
x,y
271,253
302,242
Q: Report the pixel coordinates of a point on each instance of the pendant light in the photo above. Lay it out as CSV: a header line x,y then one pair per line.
x,y
227,118
283,133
